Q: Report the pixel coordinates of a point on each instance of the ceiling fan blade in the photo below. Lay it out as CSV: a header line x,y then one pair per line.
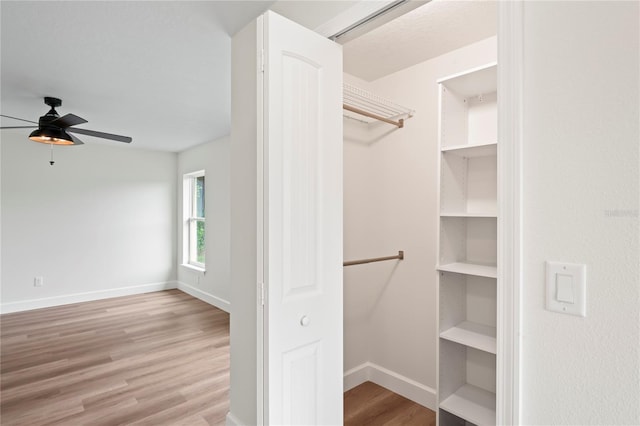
x,y
66,121
125,139
76,141
19,127
20,119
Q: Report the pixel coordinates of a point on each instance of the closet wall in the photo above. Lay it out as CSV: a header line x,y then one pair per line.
x,y
390,190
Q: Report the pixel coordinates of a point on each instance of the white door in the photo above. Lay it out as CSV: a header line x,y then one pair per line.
x,y
302,225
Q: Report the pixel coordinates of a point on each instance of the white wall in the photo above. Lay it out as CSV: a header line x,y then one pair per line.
x,y
214,285
100,220
390,205
245,352
581,200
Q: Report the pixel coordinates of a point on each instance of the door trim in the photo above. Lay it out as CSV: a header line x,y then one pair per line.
x,y
510,223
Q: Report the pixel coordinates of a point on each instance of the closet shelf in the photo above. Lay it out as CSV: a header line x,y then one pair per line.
x,y
470,269
474,335
366,107
472,151
483,79
473,404
467,214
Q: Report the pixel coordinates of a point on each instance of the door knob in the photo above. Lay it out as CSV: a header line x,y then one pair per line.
x,y
304,321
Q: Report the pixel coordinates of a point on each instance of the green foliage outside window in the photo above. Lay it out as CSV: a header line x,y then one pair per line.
x,y
200,246
200,241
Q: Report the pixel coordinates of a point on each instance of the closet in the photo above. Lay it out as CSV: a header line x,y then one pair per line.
x,y
420,196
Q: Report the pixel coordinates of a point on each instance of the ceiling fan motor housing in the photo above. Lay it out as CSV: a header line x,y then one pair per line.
x,y
53,102
52,114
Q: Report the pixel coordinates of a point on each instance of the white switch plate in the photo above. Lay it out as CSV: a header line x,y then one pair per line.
x,y
567,288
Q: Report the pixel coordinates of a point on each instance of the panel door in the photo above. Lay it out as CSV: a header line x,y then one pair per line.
x,y
303,225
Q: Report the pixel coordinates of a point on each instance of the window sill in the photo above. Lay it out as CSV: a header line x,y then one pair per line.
x,y
193,267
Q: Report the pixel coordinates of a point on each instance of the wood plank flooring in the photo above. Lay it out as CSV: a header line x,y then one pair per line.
x,y
373,405
151,359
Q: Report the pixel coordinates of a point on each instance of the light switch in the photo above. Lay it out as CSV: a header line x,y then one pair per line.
x,y
566,288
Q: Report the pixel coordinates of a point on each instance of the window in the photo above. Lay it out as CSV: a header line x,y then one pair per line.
x,y
194,201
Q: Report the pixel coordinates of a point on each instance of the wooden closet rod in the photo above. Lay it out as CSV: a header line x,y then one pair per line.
x,y
399,256
399,123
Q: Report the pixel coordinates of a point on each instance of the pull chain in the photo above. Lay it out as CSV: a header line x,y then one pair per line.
x,y
51,162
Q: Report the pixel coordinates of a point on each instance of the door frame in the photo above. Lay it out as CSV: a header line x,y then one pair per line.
x,y
510,220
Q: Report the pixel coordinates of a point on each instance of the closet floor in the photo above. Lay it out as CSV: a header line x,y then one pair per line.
x,y
373,405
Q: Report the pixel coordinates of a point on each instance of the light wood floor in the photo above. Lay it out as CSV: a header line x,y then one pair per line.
x,y
156,359
373,405
152,359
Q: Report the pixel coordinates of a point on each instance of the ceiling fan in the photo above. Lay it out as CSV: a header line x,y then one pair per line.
x,y
54,130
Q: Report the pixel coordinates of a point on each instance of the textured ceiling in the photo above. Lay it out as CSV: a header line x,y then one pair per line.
x,y
431,30
156,71
159,71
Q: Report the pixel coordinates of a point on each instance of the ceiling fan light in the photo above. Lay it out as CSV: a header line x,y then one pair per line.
x,y
51,136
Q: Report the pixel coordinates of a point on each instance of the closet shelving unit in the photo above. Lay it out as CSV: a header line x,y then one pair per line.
x,y
467,246
366,107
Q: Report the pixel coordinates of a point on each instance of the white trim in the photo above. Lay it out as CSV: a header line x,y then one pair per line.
x,y
356,376
262,394
47,302
209,298
193,268
510,221
232,420
188,218
404,386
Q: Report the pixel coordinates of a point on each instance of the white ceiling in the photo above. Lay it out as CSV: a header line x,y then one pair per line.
x,y
431,30
156,71
159,71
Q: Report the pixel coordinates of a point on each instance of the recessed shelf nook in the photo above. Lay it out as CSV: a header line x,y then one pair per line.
x,y
468,246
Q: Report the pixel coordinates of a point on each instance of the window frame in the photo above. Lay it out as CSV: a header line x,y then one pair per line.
x,y
191,220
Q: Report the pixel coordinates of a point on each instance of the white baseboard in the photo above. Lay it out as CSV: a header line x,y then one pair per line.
x,y
47,302
356,376
232,421
204,296
410,389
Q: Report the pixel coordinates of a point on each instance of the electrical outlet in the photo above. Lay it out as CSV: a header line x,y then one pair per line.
x,y
38,281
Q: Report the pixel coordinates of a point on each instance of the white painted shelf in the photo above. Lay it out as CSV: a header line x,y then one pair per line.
x,y
470,269
472,404
474,335
483,79
468,214
472,151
